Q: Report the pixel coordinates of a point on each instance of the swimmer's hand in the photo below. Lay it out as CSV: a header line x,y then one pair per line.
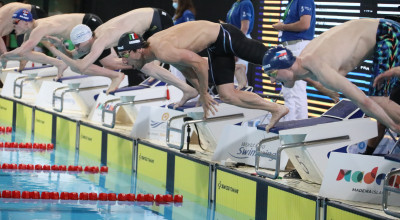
x,y
57,42
386,75
208,104
3,62
330,93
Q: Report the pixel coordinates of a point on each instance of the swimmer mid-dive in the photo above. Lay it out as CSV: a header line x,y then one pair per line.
x,y
329,57
178,46
146,21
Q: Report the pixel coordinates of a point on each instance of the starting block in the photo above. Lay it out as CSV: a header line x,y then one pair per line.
x,y
391,184
24,86
210,129
363,178
72,94
41,70
308,142
121,106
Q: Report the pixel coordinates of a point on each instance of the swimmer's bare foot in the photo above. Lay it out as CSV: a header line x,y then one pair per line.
x,y
115,83
276,116
187,95
57,77
22,65
61,67
240,74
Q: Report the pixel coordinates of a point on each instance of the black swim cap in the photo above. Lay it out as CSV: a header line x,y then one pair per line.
x,y
130,41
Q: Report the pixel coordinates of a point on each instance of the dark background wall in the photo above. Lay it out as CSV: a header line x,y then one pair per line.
x,y
211,10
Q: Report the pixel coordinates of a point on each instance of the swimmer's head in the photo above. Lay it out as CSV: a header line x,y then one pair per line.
x,y
22,14
277,58
22,21
130,41
80,34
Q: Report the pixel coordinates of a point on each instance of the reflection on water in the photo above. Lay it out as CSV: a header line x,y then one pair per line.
x,y
117,180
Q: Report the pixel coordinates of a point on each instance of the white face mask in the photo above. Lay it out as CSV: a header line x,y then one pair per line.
x,y
175,5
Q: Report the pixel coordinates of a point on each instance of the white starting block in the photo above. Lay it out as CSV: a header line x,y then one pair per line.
x,y
391,184
363,178
41,71
210,129
72,94
121,106
26,85
308,142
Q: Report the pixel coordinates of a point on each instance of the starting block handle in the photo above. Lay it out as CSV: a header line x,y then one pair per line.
x,y
114,110
181,131
277,157
385,194
61,98
77,90
20,86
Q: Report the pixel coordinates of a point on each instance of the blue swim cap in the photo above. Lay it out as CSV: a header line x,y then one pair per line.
x,y
22,14
278,58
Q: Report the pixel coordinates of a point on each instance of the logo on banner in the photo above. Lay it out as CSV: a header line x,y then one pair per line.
x,y
368,178
109,107
249,150
227,188
155,124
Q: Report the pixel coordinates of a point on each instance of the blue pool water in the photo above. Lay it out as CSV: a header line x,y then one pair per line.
x,y
115,181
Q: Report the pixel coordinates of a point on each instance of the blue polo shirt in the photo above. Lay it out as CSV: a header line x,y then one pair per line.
x,y
297,9
186,16
241,10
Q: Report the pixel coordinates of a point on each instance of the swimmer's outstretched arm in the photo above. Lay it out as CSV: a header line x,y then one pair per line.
x,y
81,65
393,72
169,54
333,80
331,94
30,42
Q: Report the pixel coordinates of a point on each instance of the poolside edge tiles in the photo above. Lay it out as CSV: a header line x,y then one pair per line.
x,y
43,127
338,210
90,143
65,133
151,167
286,205
235,196
192,180
119,153
23,123
6,112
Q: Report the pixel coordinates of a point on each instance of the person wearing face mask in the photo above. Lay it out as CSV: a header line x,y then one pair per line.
x,y
185,11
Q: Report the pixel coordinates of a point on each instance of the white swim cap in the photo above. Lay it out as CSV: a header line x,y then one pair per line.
x,y
80,33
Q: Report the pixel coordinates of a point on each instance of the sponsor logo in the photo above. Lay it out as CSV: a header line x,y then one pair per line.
x,y
367,178
147,159
39,121
165,116
134,41
227,188
155,124
86,137
248,150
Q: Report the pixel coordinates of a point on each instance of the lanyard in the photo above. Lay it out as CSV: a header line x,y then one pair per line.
x,y
231,11
287,10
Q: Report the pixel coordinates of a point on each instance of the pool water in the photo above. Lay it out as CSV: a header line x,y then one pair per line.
x,y
115,181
